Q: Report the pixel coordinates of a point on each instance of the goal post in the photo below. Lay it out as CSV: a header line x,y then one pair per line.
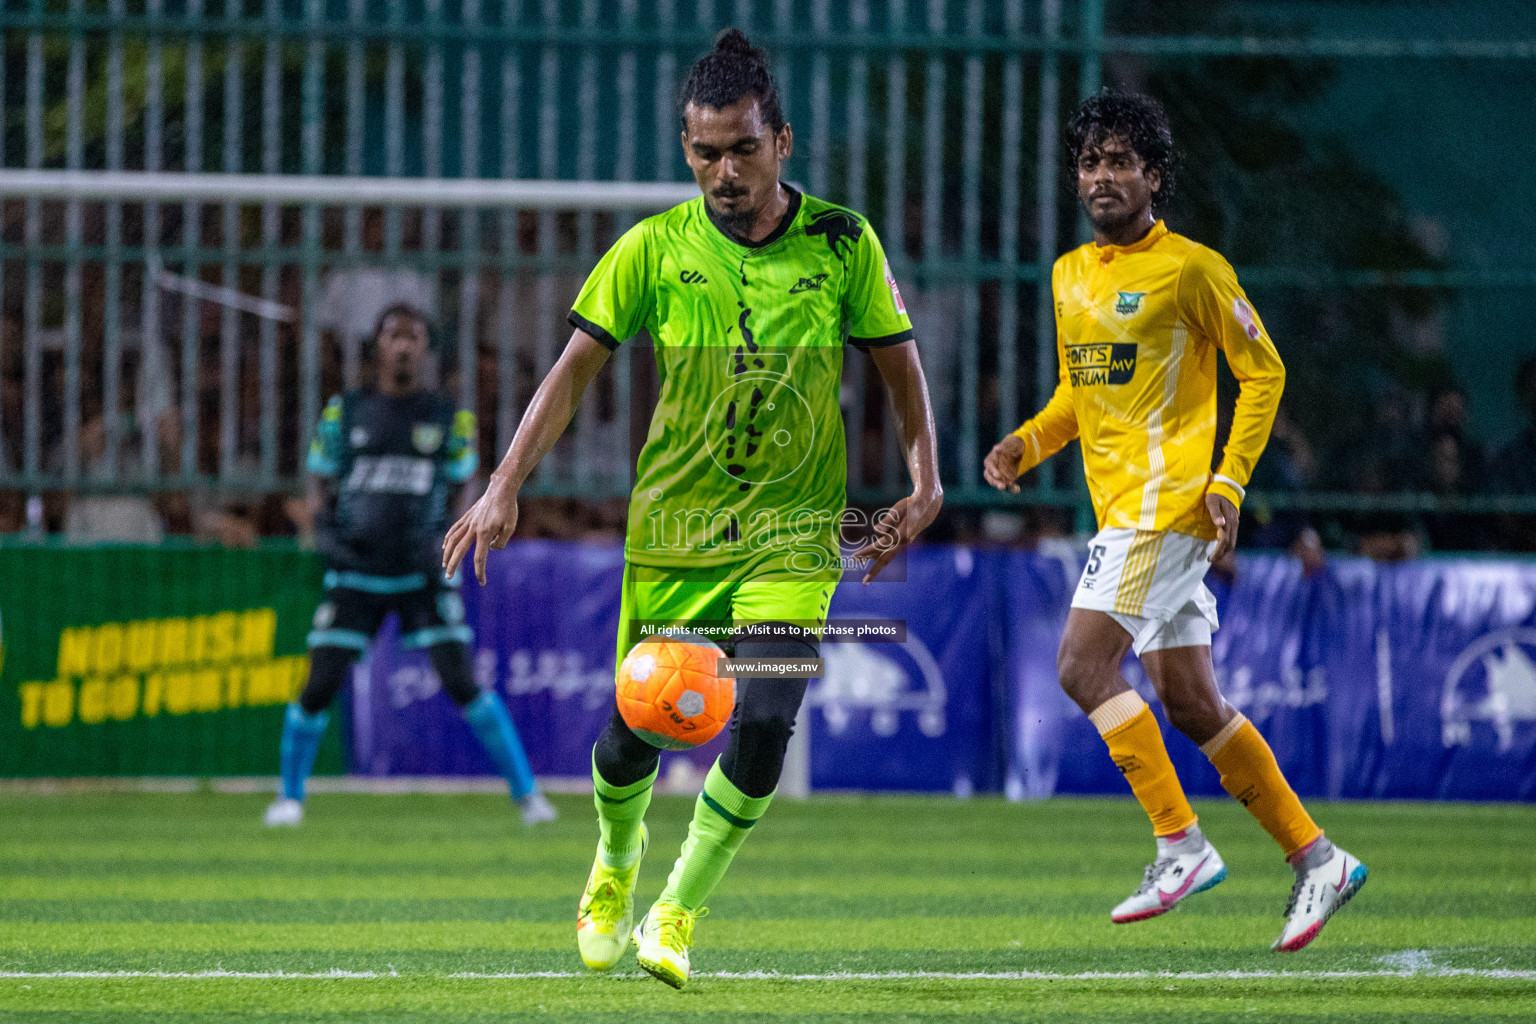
x,y
336,190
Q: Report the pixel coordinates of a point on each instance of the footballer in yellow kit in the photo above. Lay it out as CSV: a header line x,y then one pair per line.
x,y
1141,313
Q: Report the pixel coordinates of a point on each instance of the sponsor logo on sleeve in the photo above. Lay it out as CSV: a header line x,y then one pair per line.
x,y
890,279
1244,314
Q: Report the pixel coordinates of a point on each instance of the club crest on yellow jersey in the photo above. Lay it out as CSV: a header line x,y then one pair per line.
x,y
1128,304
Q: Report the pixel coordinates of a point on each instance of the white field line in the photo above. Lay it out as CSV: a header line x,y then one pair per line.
x,y
1435,972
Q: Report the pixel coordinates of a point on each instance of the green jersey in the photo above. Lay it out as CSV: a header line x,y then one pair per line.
x,y
744,463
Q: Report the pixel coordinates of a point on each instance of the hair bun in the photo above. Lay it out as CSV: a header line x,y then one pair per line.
x,y
733,40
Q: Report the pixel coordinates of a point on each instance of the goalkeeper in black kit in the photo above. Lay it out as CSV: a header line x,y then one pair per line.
x,y
383,466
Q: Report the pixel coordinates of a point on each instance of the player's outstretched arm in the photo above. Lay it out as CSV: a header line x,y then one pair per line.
x,y
1033,443
490,522
902,371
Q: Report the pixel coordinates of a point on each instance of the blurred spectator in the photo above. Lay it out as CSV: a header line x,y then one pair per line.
x,y
1448,475
1387,462
1447,415
1387,458
230,522
1514,468
352,298
118,518
1517,461
1288,466
10,397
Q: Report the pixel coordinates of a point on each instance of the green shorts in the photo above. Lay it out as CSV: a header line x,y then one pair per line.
x,y
699,600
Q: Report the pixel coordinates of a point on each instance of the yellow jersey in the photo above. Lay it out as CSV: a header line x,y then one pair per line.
x,y
1137,329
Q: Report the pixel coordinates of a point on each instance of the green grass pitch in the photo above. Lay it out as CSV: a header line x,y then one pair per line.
x,y
446,908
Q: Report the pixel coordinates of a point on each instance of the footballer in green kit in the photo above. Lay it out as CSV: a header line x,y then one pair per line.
x,y
749,293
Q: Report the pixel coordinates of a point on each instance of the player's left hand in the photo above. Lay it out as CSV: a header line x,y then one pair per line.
x,y
488,524
898,527
1224,514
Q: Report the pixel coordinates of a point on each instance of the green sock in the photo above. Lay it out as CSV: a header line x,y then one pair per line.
x,y
722,817
620,814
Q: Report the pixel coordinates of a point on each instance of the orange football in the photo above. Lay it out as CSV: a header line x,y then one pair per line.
x,y
669,694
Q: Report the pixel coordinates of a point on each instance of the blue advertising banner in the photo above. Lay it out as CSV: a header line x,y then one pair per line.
x,y
1414,680
915,715
1456,685
1369,681
912,715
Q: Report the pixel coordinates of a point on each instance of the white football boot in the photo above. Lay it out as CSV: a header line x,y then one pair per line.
x,y
664,937
1319,892
536,808
283,811
1181,869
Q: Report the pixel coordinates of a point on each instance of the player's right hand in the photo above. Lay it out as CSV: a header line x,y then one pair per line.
x,y
488,524
1001,466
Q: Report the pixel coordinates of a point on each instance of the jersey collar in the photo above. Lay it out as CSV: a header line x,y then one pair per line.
x,y
790,213
1105,253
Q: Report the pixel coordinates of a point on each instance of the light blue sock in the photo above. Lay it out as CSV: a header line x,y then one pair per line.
x,y
301,741
492,722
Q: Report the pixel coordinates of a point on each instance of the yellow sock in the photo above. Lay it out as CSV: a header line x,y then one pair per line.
x,y
1250,774
1136,745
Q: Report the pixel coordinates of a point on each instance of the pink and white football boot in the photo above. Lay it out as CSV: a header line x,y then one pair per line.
x,y
1326,877
1186,864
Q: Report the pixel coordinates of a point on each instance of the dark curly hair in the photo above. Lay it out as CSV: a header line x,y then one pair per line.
x,y
733,69
1138,119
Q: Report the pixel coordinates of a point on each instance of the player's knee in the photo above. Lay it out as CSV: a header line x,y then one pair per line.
x,y
328,668
770,702
1080,671
451,662
761,732
621,757
764,721
765,738
1198,717
754,758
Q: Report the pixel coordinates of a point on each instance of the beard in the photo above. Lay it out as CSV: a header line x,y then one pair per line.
x,y
738,221
1110,221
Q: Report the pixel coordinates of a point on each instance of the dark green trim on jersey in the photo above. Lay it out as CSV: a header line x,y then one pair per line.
x,y
882,342
774,235
597,331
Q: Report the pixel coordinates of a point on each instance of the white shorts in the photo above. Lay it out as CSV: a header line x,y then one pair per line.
x,y
1152,582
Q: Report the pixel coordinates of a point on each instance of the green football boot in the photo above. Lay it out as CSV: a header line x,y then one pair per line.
x,y
607,910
